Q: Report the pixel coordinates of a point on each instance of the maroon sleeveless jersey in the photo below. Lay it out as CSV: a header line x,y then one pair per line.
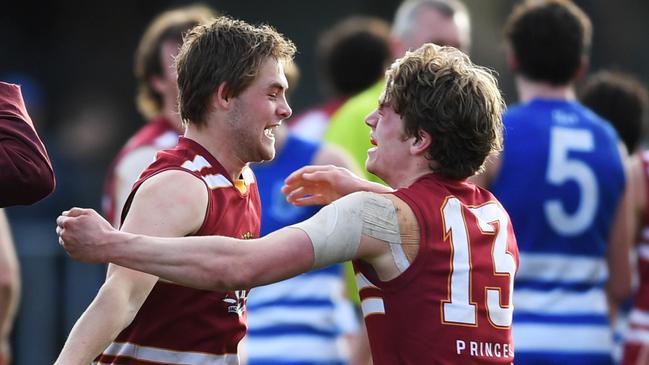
x,y
179,325
637,336
158,133
453,304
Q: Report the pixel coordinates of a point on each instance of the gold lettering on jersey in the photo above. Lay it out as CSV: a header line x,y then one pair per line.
x,y
247,236
484,349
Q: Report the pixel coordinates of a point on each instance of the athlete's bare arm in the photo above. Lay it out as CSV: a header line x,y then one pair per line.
x,y
224,263
621,240
172,203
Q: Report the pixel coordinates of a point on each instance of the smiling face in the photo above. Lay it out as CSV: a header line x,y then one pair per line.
x,y
392,147
257,112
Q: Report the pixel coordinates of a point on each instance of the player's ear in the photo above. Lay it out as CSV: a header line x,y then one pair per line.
x,y
421,144
221,98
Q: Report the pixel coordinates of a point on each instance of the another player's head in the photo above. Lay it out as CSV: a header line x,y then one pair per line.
x,y
443,22
439,105
550,41
622,100
231,71
352,55
154,71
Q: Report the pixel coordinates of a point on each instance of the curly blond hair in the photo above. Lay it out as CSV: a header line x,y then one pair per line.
x,y
440,91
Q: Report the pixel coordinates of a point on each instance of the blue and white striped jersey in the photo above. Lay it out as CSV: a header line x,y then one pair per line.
x,y
561,179
302,320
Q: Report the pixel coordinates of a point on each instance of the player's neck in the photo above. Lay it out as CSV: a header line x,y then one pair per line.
x,y
411,171
218,146
528,90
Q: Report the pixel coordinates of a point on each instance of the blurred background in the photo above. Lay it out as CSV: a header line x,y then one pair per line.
x,y
74,61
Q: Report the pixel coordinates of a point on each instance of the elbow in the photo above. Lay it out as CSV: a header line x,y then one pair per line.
x,y
27,187
41,184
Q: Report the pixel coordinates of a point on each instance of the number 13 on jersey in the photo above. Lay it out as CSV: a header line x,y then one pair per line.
x,y
468,246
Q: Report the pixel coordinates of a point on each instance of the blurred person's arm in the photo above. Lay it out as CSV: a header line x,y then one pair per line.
x,y
127,172
620,241
170,204
227,263
9,288
26,174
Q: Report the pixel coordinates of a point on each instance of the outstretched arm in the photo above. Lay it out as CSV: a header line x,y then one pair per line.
x,y
206,262
337,233
155,210
320,185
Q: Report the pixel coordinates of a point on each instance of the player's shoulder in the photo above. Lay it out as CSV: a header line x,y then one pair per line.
x,y
367,202
173,182
172,190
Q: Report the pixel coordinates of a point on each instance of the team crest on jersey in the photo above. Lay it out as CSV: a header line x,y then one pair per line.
x,y
237,302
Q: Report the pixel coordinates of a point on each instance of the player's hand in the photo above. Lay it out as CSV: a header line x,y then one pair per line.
x,y
320,185
85,235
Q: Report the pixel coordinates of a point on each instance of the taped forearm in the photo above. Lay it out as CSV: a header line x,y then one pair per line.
x,y
336,230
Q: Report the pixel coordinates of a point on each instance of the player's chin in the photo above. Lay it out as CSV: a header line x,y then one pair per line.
x,y
370,164
268,153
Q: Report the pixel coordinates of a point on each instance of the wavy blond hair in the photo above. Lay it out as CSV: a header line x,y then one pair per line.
x,y
440,91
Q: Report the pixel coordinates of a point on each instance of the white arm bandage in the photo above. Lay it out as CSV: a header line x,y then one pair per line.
x,y
335,231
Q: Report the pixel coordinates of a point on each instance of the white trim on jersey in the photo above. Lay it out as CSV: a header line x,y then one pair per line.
x,y
197,164
217,181
643,250
372,306
639,317
362,282
561,268
248,176
154,354
552,338
637,336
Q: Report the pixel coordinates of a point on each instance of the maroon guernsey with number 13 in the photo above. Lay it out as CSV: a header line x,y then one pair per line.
x,y
453,304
